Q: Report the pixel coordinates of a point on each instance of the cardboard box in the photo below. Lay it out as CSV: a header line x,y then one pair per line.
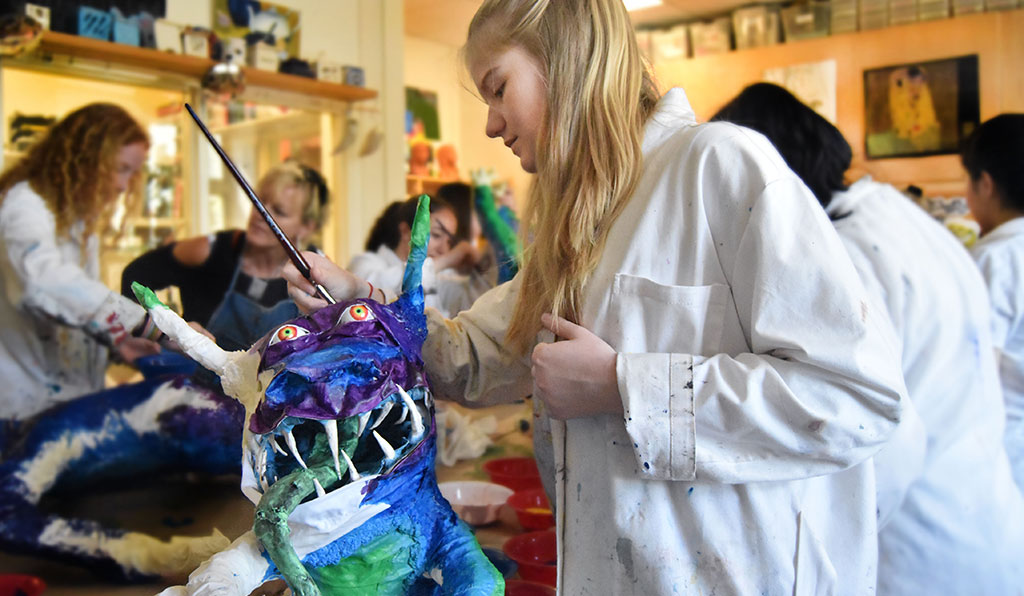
x,y
711,37
196,43
669,44
331,72
93,23
167,36
755,26
263,56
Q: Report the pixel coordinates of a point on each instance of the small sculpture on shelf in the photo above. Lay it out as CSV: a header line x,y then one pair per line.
x,y
447,163
421,154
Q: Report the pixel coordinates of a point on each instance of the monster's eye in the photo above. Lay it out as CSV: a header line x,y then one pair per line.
x,y
287,333
356,312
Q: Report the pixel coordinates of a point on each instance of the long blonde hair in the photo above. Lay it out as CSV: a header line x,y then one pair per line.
x,y
599,95
72,166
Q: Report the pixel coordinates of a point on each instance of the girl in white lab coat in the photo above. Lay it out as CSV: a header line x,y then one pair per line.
x,y
451,281
57,320
994,159
718,389
956,524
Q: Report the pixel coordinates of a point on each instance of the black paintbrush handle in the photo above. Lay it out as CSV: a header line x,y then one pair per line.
x,y
293,254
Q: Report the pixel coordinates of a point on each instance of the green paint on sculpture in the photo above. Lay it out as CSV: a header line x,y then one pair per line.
x,y
374,571
146,297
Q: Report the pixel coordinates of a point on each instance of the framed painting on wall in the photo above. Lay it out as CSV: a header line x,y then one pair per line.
x,y
421,116
920,108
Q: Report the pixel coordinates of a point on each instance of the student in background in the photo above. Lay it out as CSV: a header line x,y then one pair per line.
x,y
959,528
994,159
451,276
230,282
720,389
57,320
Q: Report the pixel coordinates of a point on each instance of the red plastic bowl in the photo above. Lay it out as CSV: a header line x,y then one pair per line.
x,y
536,554
532,509
516,473
518,587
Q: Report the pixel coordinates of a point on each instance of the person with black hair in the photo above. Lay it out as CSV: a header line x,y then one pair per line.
x,y
959,527
230,282
994,159
452,276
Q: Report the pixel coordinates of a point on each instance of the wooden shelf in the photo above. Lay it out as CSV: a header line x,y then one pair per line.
x,y
191,66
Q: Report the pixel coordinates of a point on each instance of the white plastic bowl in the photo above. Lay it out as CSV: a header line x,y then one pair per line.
x,y
477,503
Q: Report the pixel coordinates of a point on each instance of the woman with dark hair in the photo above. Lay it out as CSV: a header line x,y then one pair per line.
x,y
994,159
57,319
451,280
952,522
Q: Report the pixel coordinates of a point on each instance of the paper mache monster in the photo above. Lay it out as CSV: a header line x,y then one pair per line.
x,y
167,424
338,454
499,225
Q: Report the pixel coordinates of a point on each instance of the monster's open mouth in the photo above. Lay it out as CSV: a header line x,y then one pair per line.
x,y
368,444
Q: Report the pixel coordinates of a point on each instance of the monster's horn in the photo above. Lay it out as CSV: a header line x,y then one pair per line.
x,y
201,348
417,246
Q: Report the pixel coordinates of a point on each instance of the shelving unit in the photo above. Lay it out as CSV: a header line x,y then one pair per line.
x,y
151,60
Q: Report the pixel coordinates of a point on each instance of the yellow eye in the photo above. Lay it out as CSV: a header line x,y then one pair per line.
x,y
356,313
287,333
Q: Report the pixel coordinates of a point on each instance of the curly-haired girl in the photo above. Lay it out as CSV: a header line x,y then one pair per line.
x,y
57,320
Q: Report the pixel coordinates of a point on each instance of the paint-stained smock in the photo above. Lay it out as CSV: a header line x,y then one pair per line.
x,y
56,317
757,382
446,290
1000,255
960,527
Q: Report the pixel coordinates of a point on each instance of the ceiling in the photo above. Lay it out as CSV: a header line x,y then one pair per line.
x,y
446,21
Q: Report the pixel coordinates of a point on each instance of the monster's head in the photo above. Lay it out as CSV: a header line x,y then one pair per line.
x,y
342,388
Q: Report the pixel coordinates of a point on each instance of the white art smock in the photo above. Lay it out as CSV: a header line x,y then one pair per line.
x,y
757,382
54,311
960,528
1000,255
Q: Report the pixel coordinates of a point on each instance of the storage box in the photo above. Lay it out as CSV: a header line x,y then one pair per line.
x,y
263,56
126,29
1000,4
93,23
167,36
755,26
670,44
711,37
932,9
902,12
961,7
873,14
195,42
806,20
843,17
331,72
354,75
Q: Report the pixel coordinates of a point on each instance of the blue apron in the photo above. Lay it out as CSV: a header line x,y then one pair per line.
x,y
240,320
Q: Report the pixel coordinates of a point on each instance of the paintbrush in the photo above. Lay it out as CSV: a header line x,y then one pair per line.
x,y
293,254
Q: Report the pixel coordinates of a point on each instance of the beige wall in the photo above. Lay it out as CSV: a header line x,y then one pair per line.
x,y
435,67
996,37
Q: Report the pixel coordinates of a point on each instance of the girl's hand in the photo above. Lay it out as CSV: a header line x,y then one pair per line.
x,y
131,348
462,257
340,283
575,378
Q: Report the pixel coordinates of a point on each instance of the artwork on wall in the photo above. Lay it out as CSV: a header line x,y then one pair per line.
x,y
421,116
813,83
921,108
258,22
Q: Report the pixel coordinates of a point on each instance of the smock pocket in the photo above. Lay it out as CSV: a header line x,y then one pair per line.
x,y
656,318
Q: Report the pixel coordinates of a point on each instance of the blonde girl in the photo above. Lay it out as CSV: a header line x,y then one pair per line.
x,y
716,388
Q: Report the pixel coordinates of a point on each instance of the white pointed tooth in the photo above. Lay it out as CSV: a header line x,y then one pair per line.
x,y
273,443
352,472
389,451
405,413
319,489
417,419
384,411
331,428
254,445
363,419
290,439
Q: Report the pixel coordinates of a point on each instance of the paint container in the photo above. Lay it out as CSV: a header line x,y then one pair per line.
x,y
532,509
518,587
477,503
536,553
517,473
